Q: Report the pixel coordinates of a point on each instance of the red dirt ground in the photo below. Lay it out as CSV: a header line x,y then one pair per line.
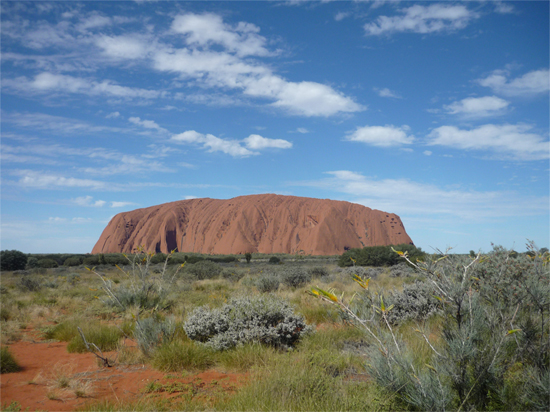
x,y
33,386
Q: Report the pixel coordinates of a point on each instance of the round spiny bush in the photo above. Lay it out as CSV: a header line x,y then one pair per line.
x,y
295,277
318,272
267,283
264,319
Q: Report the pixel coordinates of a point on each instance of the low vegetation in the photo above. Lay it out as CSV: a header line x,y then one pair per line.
x,y
370,330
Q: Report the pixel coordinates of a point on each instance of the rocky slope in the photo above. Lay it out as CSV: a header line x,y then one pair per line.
x,y
258,223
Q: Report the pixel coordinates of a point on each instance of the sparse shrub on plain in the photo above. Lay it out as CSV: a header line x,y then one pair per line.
x,y
318,272
232,275
12,260
32,263
204,269
401,270
72,261
29,283
267,283
265,319
47,263
104,337
274,260
415,302
295,277
152,332
491,306
8,364
177,356
378,255
248,257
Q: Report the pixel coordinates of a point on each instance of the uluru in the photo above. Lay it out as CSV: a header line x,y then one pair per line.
x,y
266,223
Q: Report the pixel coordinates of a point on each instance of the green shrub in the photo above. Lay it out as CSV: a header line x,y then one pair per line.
x,y
378,255
47,263
152,332
72,261
32,263
264,319
318,272
267,282
204,269
495,315
29,283
90,261
178,356
295,277
274,260
8,363
104,337
248,257
415,302
12,260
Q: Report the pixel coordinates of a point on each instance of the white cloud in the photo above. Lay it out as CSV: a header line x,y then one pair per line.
x,y
56,219
503,8
381,136
423,19
147,124
386,93
409,198
427,152
47,83
213,143
478,106
189,197
341,16
40,180
113,115
507,141
121,204
302,130
214,68
207,29
257,142
126,46
534,82
88,201
81,220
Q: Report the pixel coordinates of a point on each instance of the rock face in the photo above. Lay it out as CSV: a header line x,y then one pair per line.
x,y
257,223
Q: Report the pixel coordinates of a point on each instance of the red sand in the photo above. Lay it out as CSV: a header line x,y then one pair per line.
x,y
40,361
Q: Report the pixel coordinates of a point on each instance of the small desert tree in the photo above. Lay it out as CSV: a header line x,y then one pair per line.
x,y
494,312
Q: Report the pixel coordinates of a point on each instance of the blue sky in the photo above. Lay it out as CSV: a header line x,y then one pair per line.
x,y
436,111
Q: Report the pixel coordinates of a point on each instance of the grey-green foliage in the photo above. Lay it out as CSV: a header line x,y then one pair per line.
x,y
401,270
265,319
204,269
294,277
29,283
415,302
495,310
267,282
152,332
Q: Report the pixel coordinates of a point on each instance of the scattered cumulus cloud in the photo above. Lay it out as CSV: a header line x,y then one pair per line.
x,y
532,83
40,180
302,130
515,142
112,115
417,198
387,93
381,136
48,83
503,7
234,148
147,124
121,204
88,201
257,142
423,19
427,152
341,16
478,106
